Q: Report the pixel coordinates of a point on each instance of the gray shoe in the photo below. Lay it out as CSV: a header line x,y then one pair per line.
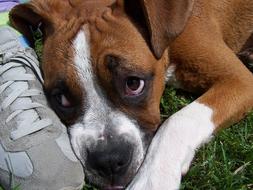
x,y
35,152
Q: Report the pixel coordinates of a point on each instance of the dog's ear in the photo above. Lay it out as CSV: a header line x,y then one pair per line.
x,y
165,19
42,14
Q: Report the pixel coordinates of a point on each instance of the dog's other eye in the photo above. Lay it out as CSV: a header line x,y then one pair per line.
x,y
134,86
63,100
66,102
60,100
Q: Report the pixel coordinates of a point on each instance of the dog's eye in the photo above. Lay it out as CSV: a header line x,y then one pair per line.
x,y
63,100
60,99
134,86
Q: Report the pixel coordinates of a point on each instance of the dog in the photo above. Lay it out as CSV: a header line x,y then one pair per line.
x,y
106,63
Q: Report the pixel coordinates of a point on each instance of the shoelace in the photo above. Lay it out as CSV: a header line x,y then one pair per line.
x,y
32,122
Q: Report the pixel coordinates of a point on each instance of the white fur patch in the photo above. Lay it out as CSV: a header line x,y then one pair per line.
x,y
92,126
170,77
173,148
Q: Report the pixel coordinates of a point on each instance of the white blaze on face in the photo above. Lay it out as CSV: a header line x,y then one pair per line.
x,y
91,126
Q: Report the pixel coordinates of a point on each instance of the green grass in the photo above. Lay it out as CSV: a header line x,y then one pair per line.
x,y
226,162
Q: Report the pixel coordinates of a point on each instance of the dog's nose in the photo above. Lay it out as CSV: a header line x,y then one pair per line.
x,y
111,159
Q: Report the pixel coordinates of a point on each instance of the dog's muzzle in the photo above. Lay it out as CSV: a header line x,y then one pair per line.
x,y
111,149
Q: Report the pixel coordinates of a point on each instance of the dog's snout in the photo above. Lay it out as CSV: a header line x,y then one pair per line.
x,y
111,159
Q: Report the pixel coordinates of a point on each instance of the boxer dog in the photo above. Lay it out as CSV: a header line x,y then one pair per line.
x,y
105,65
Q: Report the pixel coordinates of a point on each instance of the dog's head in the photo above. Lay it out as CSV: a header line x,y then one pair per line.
x,y
104,64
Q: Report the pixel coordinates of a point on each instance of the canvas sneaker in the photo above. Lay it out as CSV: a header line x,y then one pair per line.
x,y
35,152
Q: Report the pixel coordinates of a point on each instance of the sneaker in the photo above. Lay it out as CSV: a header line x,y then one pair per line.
x,y
35,151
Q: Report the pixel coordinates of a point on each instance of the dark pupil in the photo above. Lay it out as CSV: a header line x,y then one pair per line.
x,y
58,99
133,83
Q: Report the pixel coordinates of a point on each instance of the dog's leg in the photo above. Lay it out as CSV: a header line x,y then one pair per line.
x,y
228,97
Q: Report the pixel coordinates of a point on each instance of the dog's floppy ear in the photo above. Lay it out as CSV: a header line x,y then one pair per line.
x,y
45,14
165,20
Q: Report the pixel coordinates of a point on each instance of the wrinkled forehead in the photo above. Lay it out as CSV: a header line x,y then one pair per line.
x,y
116,34
107,34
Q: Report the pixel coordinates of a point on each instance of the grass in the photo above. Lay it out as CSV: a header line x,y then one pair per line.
x,y
226,162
